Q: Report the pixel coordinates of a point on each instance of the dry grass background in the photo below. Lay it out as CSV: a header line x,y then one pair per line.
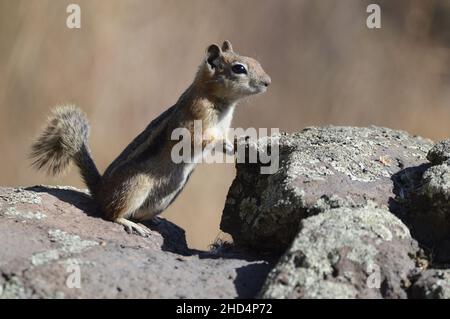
x,y
133,58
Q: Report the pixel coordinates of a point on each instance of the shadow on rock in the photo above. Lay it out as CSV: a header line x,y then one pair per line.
x,y
406,182
422,203
74,197
250,279
173,235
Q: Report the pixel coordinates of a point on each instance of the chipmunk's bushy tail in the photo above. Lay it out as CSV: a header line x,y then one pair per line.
x,y
63,141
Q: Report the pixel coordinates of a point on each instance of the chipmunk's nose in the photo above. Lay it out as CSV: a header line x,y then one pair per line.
x,y
266,81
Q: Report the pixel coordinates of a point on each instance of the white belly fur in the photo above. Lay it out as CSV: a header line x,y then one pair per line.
x,y
168,198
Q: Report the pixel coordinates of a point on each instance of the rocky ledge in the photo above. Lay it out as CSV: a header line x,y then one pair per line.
x,y
356,212
353,213
51,235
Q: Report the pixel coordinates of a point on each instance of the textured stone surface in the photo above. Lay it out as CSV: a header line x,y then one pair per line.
x,y
320,168
346,253
425,196
439,153
344,210
47,233
432,284
348,205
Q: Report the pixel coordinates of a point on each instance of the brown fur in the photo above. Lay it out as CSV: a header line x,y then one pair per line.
x,y
143,180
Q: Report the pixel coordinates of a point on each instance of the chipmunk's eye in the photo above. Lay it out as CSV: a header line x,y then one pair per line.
x,y
239,69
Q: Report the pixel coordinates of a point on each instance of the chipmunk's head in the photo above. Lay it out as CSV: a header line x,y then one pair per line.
x,y
232,76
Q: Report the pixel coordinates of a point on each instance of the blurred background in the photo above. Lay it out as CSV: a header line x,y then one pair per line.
x,y
133,58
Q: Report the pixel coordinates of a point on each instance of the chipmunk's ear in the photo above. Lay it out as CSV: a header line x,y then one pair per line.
x,y
227,47
212,55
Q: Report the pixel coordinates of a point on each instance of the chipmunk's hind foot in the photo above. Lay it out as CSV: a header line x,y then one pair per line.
x,y
132,226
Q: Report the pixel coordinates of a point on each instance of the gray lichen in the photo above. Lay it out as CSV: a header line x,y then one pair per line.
x,y
14,213
320,168
334,246
432,284
436,182
44,257
21,196
440,152
14,288
68,246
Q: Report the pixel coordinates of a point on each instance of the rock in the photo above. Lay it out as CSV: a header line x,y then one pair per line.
x,y
425,197
440,153
432,284
430,216
49,236
436,184
344,209
320,168
346,253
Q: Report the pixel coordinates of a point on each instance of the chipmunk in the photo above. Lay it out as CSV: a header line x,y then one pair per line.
x,y
143,180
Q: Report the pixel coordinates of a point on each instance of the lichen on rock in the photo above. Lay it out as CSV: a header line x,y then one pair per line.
x,y
337,252
337,166
68,245
432,284
353,213
425,199
439,153
39,254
